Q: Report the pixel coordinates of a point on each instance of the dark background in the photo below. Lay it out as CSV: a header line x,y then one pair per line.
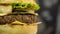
x,y
48,13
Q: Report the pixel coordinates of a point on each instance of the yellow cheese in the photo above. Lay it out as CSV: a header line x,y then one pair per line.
x,y
17,22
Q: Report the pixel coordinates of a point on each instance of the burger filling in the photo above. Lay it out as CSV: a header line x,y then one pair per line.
x,y
22,12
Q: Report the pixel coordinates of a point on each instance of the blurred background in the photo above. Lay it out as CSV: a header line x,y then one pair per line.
x,y
49,13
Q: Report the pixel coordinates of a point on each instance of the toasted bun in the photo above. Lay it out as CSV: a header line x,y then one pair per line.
x,y
17,1
4,10
18,29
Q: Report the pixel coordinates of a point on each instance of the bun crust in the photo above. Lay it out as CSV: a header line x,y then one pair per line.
x,y
18,29
17,1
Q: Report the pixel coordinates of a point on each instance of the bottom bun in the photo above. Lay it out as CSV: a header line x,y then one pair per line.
x,y
18,29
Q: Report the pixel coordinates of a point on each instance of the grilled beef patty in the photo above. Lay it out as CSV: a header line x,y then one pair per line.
x,y
22,18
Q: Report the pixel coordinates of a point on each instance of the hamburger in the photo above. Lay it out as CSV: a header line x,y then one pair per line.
x,y
18,16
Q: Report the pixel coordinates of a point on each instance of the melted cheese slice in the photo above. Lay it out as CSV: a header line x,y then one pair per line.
x,y
17,22
20,23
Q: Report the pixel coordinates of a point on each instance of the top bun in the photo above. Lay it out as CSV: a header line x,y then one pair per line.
x,y
18,1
